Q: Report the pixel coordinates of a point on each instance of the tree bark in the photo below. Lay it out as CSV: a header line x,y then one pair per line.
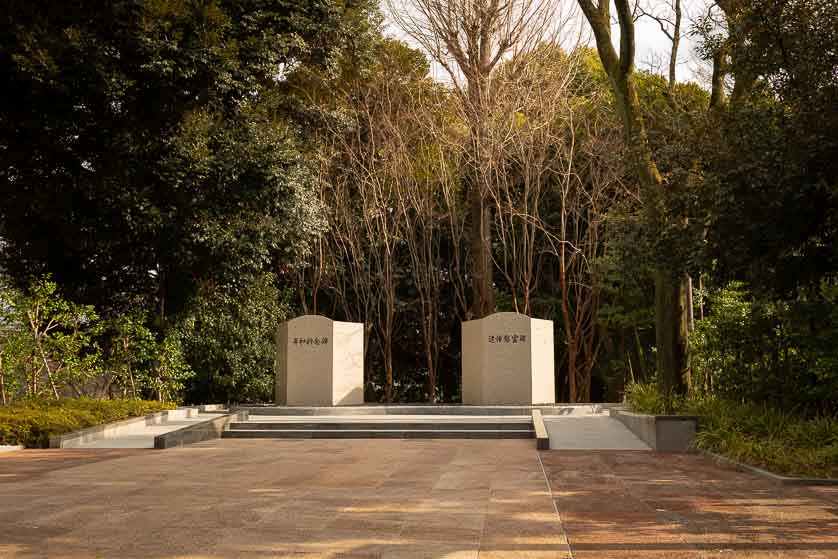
x,y
570,335
2,380
670,335
676,41
49,371
482,291
717,91
743,78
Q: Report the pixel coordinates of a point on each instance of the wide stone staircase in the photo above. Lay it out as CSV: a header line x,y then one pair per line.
x,y
390,422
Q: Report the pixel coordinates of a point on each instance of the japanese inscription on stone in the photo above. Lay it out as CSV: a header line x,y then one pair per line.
x,y
508,339
310,341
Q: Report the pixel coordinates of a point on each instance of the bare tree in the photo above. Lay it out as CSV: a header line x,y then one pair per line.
x,y
530,133
668,14
422,172
585,203
557,166
469,38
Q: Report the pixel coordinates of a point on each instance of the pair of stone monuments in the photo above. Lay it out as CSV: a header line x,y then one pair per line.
x,y
507,359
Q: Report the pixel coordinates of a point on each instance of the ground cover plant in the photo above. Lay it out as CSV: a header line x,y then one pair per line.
x,y
31,422
779,441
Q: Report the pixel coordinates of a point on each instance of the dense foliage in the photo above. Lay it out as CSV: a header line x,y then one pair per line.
x,y
51,346
179,177
756,434
152,161
784,353
32,422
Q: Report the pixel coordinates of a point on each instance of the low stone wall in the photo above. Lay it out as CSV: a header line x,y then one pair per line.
x,y
118,428
11,447
663,433
542,438
211,408
204,431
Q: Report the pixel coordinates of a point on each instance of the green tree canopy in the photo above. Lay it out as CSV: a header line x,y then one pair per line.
x,y
147,146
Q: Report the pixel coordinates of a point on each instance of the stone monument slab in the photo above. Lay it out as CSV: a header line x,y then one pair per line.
x,y
320,362
508,359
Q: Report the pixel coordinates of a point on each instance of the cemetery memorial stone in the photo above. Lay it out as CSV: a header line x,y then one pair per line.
x,y
508,359
320,362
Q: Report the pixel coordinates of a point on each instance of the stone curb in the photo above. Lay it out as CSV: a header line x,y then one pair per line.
x,y
542,438
210,429
11,447
210,408
663,433
99,432
783,480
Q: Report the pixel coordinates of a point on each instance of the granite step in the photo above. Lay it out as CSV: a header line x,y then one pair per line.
x,y
378,434
425,409
381,426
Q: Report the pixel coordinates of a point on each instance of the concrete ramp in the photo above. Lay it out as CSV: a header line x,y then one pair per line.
x,y
595,431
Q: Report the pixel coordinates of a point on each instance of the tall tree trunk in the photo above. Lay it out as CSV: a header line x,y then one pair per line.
x,y
568,324
670,297
676,41
161,294
2,380
429,358
717,91
670,332
483,293
670,336
480,236
388,368
743,77
690,303
430,334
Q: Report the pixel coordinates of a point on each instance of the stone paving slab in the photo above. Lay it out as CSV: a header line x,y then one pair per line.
x,y
219,499
400,499
643,504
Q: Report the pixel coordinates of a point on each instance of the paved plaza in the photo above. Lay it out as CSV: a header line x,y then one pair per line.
x,y
400,498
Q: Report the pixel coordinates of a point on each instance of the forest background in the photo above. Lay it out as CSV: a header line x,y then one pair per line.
x,y
178,177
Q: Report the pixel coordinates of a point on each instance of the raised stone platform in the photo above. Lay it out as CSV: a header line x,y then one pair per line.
x,y
591,433
431,409
377,426
401,421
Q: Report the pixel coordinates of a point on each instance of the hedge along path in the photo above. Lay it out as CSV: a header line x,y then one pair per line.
x,y
33,422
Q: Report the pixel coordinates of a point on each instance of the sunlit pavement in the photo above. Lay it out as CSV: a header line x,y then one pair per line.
x,y
399,498
647,505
